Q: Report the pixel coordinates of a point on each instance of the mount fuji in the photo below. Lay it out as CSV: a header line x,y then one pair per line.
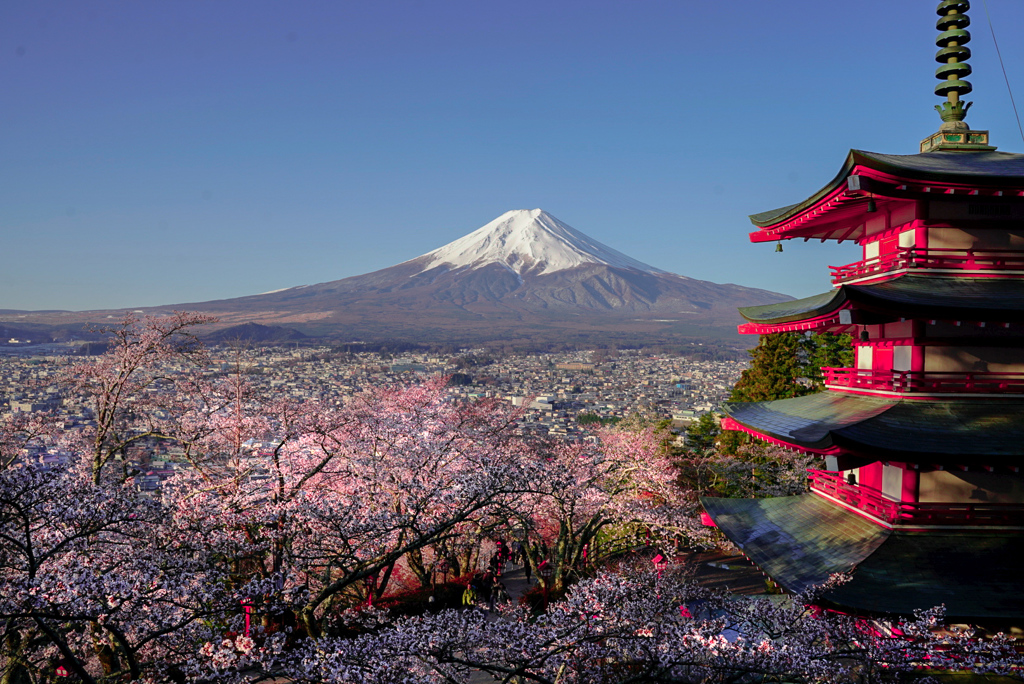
x,y
524,275
532,242
525,272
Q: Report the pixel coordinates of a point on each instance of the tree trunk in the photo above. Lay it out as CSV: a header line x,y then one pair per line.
x,y
418,568
16,670
308,621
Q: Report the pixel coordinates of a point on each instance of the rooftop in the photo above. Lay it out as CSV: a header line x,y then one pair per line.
x,y
977,168
801,540
952,431
994,300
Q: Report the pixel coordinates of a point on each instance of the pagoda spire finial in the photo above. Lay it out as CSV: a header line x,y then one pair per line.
x,y
953,55
954,134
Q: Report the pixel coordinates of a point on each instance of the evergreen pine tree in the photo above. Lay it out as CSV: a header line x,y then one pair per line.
x,y
701,435
827,350
781,361
777,364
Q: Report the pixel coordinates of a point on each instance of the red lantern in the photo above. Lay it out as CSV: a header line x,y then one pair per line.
x,y
660,563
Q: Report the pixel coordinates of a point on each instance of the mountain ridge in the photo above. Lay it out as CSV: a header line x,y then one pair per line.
x,y
524,271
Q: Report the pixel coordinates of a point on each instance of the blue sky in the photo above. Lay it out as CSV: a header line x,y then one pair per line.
x,y
170,152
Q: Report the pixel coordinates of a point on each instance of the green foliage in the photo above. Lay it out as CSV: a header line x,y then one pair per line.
x,y
460,379
827,350
701,436
775,370
755,470
730,442
594,419
471,361
785,365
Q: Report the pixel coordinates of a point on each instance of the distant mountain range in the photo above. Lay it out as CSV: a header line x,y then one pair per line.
x,y
523,274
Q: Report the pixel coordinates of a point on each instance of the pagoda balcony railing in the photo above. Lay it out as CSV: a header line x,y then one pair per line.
x,y
872,502
924,382
913,258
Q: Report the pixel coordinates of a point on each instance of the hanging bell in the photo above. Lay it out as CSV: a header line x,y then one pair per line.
x,y
778,246
872,207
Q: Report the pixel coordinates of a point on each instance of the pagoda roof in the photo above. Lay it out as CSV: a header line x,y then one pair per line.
x,y
801,540
796,309
827,213
907,296
986,432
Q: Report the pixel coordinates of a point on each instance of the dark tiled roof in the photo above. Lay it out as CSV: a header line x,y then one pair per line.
x,y
798,540
957,431
808,421
908,296
795,310
947,165
976,575
801,540
915,295
953,428
766,218
975,167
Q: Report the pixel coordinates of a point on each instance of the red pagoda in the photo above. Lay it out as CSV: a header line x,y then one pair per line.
x,y
922,498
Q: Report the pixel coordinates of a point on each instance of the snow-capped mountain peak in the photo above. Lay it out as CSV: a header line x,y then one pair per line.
x,y
528,241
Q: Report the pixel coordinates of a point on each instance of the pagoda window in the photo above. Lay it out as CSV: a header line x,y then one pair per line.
x,y
902,358
864,357
870,250
892,482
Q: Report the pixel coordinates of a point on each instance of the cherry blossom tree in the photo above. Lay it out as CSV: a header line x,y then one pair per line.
x,y
117,384
94,576
633,627
393,472
336,498
19,431
755,470
253,561
603,491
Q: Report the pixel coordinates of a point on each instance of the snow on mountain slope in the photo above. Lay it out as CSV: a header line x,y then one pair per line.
x,y
533,242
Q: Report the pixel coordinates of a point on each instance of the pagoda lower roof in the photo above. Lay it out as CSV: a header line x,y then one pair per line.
x,y
979,432
800,541
907,296
796,310
996,176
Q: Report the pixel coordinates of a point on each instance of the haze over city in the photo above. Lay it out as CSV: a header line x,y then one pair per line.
x,y
191,151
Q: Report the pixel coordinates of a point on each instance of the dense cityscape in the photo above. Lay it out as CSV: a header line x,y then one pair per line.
x,y
563,395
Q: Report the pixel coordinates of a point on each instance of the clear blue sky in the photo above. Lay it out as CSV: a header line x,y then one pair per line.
x,y
168,152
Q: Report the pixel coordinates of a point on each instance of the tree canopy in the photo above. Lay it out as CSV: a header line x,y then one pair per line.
x,y
788,364
260,556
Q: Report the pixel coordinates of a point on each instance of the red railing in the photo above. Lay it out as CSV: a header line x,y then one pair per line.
x,y
934,258
877,505
862,498
924,381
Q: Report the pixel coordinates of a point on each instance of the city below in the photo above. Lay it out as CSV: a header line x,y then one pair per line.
x,y
564,395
